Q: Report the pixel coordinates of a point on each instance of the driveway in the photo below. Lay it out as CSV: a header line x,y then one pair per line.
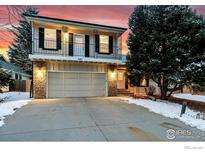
x,y
89,119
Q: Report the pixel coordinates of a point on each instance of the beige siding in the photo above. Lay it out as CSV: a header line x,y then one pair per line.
x,y
65,44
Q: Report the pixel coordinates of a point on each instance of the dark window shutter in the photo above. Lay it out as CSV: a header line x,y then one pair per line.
x,y
58,35
70,44
87,42
110,44
97,42
41,37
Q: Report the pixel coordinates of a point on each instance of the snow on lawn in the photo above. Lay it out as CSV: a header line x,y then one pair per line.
x,y
170,110
190,97
12,101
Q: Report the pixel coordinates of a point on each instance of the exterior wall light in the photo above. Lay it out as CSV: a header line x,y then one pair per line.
x,y
113,74
40,73
39,70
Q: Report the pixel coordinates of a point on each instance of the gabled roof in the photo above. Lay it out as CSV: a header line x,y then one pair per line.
x,y
71,22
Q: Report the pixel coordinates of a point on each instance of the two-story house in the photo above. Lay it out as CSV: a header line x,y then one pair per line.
x,y
76,59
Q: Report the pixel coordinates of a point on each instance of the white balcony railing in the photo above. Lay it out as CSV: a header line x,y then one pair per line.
x,y
51,47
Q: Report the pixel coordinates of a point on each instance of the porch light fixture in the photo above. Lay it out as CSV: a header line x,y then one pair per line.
x,y
113,75
64,29
112,69
40,73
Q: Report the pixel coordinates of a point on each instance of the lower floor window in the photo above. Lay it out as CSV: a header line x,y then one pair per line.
x,y
144,82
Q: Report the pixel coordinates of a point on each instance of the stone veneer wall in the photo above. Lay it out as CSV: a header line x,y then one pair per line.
x,y
39,82
112,82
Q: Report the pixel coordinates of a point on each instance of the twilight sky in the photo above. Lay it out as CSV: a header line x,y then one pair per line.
x,y
107,15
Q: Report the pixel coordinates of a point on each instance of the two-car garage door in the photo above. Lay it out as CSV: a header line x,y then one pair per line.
x,y
76,84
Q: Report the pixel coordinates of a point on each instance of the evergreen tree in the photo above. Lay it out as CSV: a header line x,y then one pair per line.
x,y
4,78
167,45
21,46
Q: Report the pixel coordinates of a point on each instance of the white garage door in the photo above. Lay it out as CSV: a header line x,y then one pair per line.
x,y
76,84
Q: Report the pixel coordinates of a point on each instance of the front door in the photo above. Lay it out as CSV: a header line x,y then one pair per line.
x,y
79,45
121,79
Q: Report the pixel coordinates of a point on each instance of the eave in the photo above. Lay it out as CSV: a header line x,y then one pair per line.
x,y
41,57
78,24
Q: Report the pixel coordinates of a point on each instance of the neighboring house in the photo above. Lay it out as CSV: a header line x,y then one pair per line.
x,y
15,72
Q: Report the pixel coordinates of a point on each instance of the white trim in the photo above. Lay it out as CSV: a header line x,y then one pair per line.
x,y
106,80
77,72
73,58
46,80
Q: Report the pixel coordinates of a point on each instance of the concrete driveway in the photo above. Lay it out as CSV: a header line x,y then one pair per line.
x,y
89,119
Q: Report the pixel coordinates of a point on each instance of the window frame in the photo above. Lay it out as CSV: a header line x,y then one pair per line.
x,y
83,43
46,48
140,82
108,52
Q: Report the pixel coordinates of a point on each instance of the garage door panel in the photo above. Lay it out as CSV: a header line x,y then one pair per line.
x,y
84,82
56,94
56,75
76,84
56,88
70,81
55,82
84,88
71,88
99,82
98,76
70,75
84,76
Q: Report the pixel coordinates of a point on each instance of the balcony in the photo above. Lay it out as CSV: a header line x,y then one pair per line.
x,y
53,48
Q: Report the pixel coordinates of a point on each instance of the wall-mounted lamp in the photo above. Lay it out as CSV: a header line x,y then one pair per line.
x,y
39,70
113,75
40,73
65,29
112,69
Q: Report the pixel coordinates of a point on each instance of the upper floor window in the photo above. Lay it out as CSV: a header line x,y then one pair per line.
x,y
104,44
50,38
79,45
